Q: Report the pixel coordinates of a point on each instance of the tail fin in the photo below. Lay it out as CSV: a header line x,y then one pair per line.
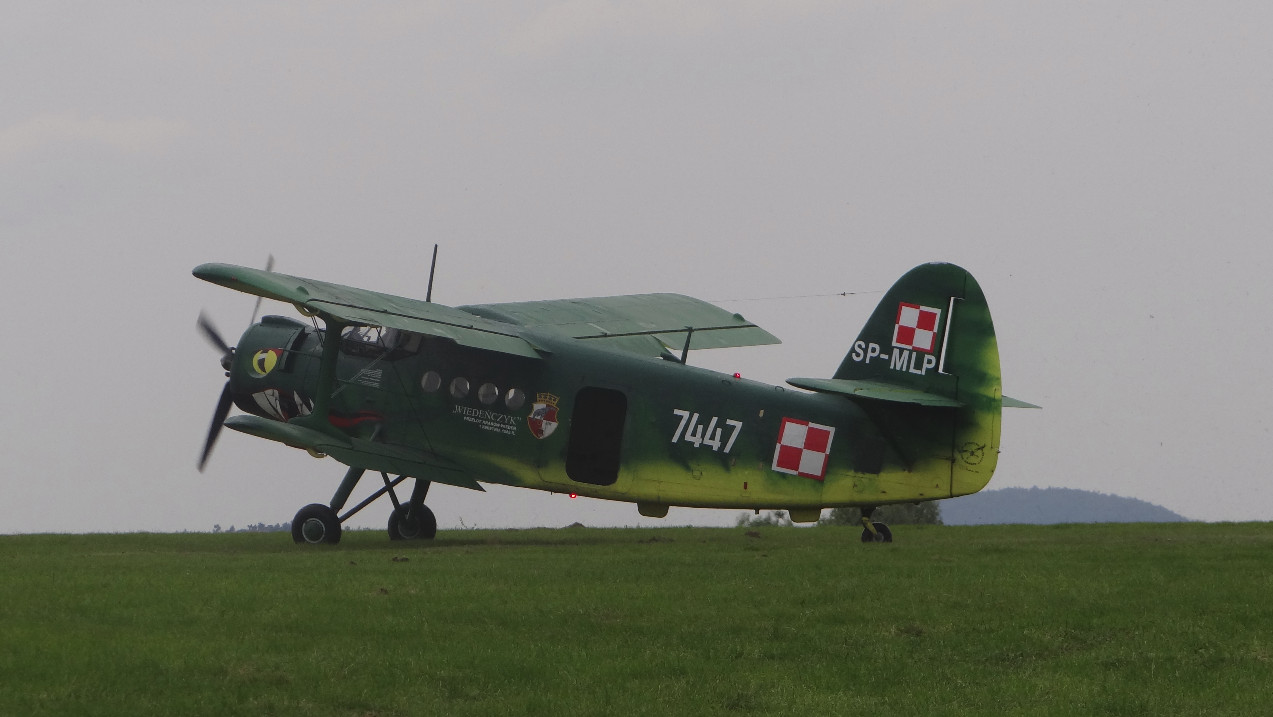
x,y
932,333
926,368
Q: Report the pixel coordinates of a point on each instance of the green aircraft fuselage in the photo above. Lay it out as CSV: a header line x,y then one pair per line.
x,y
566,397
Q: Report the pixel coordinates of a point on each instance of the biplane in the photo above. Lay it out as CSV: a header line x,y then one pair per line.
x,y
596,397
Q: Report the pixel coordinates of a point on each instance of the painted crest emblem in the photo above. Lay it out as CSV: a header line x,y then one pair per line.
x,y
543,415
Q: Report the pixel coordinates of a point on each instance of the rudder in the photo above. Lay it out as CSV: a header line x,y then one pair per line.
x,y
928,364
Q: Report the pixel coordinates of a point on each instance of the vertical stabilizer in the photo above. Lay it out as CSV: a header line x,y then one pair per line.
x,y
932,335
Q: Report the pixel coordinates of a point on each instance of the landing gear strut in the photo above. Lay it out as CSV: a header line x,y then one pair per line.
x,y
874,532
404,526
412,520
318,524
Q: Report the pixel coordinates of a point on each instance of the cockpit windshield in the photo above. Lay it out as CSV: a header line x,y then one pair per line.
x,y
378,342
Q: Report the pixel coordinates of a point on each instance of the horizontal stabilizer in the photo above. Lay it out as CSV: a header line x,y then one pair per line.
x,y
874,390
1009,402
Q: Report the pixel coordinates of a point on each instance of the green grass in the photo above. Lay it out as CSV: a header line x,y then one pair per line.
x,y
1109,619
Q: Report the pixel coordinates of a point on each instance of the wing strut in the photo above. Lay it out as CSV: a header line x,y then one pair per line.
x,y
318,417
685,352
428,296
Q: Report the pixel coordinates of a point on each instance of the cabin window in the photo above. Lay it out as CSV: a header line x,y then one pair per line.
x,y
431,381
515,399
596,436
488,393
459,388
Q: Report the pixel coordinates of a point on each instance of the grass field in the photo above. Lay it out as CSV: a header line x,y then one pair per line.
x,y
1102,619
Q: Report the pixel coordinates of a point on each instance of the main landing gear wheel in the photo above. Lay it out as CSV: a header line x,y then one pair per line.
x,y
881,535
421,526
316,524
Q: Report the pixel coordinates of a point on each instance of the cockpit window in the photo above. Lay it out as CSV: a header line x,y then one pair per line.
x,y
365,340
379,342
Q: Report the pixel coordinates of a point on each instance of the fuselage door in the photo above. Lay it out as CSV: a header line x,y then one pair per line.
x,y
595,448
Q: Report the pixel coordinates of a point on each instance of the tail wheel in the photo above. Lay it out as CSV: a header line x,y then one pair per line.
x,y
316,524
881,535
421,526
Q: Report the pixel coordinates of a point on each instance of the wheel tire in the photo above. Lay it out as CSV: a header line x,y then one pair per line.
x,y
881,535
424,526
316,524
886,535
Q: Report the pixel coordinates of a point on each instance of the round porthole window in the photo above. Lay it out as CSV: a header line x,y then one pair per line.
x,y
459,387
488,393
515,399
431,381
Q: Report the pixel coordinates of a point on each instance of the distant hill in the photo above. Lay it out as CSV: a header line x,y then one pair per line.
x,y
1051,505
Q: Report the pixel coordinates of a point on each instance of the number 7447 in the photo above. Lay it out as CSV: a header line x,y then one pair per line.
x,y
698,434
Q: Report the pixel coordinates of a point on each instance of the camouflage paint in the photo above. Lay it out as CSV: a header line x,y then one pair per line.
x,y
459,412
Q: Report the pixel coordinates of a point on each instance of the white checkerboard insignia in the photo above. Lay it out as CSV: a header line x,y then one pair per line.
x,y
916,327
803,448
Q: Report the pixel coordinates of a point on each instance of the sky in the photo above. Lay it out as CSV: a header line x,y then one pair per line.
x,y
1102,169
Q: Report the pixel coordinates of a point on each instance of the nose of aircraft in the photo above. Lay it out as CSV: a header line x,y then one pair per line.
x,y
227,361
223,403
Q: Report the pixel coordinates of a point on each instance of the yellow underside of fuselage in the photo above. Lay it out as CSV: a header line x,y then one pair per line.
x,y
739,486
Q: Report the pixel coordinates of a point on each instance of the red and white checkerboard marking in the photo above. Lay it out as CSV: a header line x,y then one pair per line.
x,y
803,448
916,327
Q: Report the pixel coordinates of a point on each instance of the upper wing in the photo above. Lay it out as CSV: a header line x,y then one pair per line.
x,y
642,323
370,308
630,322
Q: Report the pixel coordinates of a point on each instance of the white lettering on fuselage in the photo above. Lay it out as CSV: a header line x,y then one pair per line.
x,y
695,433
898,359
488,420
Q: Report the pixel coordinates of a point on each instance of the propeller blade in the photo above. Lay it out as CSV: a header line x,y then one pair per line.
x,y
218,418
269,266
212,335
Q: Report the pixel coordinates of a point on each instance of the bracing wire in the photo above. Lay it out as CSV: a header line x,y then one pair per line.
x,y
798,296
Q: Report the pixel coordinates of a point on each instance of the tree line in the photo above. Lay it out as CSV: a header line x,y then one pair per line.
x,y
926,513
255,528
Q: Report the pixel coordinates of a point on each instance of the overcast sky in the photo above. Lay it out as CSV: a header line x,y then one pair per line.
x,y
1103,169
